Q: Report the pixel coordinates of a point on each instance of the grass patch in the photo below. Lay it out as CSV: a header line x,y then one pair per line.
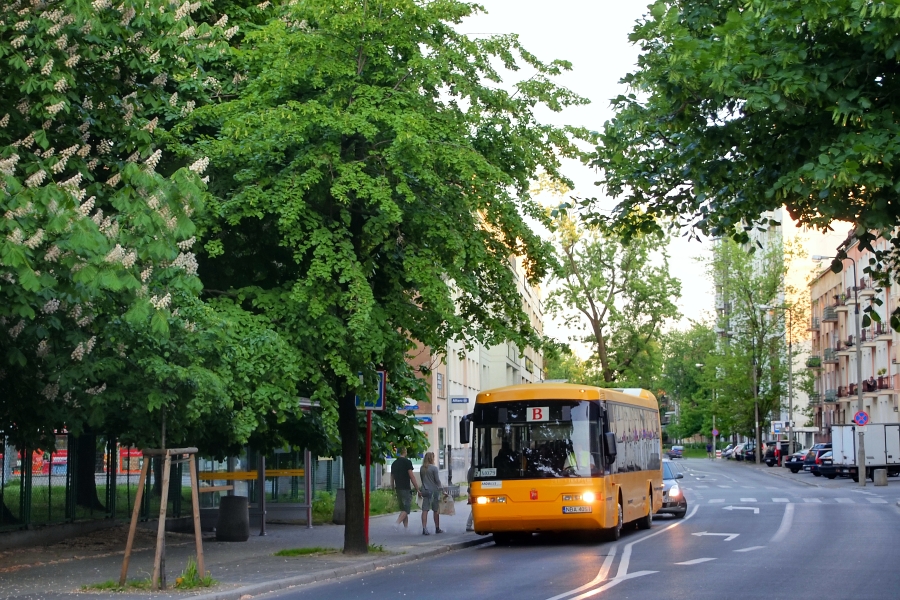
x,y
381,502
191,578
113,586
305,551
694,453
376,548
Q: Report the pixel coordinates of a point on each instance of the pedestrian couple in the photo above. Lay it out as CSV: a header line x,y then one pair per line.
x,y
430,491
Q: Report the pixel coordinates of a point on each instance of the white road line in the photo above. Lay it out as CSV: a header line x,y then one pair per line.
x,y
727,487
701,487
816,500
717,500
696,561
750,548
601,576
780,500
877,500
844,500
785,526
748,499
622,574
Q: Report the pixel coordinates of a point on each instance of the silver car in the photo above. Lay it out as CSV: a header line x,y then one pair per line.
x,y
674,502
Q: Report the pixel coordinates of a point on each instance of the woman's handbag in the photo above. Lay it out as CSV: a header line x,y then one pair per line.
x,y
448,506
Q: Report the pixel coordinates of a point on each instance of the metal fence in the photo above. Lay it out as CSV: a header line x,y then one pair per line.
x,y
39,487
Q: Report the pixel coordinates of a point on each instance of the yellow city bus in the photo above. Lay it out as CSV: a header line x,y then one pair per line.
x,y
564,457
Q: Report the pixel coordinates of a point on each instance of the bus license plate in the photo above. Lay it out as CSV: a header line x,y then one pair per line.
x,y
567,510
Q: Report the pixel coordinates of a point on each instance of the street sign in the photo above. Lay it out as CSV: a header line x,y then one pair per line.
x,y
459,399
861,417
715,432
378,403
776,427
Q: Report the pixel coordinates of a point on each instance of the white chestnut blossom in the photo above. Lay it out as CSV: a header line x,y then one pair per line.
x,y
35,240
48,67
200,165
50,307
36,179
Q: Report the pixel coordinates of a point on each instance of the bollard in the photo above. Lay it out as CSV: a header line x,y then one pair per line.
x,y
880,477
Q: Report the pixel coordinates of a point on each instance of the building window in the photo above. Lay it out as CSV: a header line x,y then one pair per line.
x,y
440,385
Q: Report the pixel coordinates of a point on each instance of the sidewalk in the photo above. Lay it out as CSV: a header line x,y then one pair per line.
x,y
243,569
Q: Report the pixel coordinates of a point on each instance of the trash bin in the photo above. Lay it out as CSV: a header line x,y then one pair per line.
x,y
339,515
233,524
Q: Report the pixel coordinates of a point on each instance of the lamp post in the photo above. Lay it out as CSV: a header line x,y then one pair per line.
x,y
861,446
790,313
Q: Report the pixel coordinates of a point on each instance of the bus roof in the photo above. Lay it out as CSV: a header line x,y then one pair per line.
x,y
567,391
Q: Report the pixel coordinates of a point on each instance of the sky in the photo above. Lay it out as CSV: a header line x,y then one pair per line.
x,y
593,36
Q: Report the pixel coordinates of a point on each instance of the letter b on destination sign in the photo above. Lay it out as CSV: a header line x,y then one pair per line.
x,y
537,413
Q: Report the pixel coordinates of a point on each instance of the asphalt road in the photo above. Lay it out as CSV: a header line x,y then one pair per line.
x,y
749,533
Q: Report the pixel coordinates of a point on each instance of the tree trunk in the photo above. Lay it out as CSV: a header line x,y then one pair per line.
x,y
348,426
85,482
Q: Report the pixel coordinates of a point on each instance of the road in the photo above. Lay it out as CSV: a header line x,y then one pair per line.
x,y
750,532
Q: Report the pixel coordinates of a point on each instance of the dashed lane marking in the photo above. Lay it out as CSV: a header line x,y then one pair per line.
x,y
844,500
727,487
717,500
696,561
814,500
750,548
748,499
780,500
877,500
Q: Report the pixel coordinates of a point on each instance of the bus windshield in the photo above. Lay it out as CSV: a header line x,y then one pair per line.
x,y
537,439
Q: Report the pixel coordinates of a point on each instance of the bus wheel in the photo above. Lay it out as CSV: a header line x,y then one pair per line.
x,y
646,522
615,532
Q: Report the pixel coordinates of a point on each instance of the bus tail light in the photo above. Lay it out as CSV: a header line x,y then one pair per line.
x,y
589,497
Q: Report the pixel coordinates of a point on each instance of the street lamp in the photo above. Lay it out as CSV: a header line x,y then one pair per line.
x,y
861,449
790,313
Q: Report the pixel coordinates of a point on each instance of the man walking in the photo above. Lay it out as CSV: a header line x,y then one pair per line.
x,y
709,453
404,480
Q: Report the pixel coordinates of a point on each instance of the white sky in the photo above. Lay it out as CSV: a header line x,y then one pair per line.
x,y
593,36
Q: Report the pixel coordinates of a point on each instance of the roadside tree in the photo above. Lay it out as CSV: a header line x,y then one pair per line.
x,y
370,181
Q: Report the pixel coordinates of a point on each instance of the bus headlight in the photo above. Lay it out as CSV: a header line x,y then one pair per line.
x,y
482,500
589,496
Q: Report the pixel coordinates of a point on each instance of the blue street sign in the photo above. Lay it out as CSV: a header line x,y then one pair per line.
x,y
378,403
424,420
459,399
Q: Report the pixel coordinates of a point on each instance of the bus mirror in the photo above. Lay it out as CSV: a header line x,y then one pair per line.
x,y
609,439
464,430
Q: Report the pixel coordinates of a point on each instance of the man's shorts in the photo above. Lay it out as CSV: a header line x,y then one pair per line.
x,y
404,497
431,501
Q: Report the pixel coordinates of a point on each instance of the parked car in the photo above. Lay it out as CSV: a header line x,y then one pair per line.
x,y
811,462
675,452
784,449
749,452
736,452
726,453
674,502
794,462
826,466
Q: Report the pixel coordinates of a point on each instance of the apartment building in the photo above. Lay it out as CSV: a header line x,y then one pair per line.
x,y
836,347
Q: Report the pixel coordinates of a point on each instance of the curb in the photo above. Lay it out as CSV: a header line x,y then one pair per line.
x,y
364,567
773,473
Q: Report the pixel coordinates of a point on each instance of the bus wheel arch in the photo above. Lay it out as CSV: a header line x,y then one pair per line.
x,y
647,520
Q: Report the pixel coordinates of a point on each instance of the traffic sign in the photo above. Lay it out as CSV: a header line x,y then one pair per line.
x,y
378,403
715,432
861,417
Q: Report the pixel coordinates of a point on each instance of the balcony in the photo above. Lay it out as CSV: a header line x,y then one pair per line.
x,y
866,289
814,362
842,391
851,390
814,325
885,383
868,337
830,357
849,341
814,398
881,331
831,395
829,315
840,303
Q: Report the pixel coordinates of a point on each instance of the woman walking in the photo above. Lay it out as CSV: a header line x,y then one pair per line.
x,y
431,493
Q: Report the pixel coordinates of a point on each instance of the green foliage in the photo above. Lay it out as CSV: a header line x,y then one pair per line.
x,y
191,579
735,110
371,180
112,585
625,294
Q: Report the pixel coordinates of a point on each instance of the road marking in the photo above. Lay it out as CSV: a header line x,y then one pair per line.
x,y
728,536
780,500
727,487
747,487
750,548
622,574
817,500
717,500
601,576
877,500
863,492
845,500
701,487
696,561
785,526
753,508
748,499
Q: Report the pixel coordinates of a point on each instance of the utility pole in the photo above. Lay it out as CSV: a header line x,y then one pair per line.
x,y
756,409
